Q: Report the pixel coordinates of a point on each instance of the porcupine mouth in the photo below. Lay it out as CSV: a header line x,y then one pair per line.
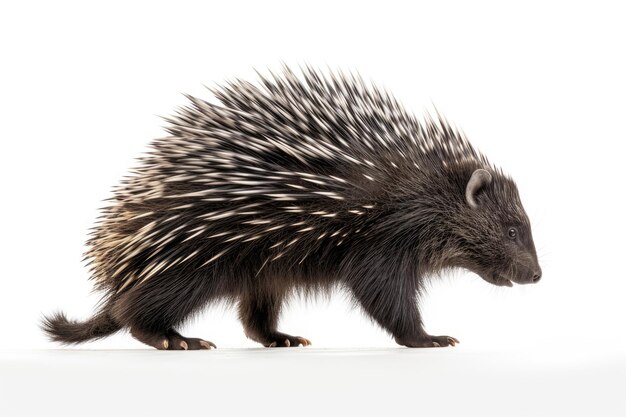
x,y
500,281
497,280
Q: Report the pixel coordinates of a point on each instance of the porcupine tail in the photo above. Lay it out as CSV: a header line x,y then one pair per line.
x,y
60,329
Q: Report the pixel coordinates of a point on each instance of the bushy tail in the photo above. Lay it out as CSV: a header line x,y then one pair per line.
x,y
60,329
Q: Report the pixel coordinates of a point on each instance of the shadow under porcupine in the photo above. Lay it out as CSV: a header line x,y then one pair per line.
x,y
301,182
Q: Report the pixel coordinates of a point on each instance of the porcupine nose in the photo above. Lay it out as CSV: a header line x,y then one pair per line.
x,y
537,276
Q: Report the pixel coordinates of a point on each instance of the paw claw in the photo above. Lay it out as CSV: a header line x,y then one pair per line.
x,y
435,344
287,343
207,345
303,341
183,345
165,344
451,341
273,344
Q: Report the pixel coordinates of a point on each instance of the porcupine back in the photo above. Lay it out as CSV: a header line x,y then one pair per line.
x,y
293,167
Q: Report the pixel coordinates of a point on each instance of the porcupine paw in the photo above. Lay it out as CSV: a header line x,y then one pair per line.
x,y
172,340
285,340
186,343
429,341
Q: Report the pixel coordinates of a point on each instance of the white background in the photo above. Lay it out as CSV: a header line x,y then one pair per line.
x,y
538,87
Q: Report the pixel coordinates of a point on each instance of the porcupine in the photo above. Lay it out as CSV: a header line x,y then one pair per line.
x,y
299,183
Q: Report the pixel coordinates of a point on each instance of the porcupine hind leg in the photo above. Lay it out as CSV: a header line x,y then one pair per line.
x,y
259,314
153,309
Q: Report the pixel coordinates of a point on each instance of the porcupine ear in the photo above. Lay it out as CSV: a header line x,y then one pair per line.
x,y
480,178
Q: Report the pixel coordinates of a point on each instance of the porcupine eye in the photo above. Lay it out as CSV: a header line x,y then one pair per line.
x,y
512,233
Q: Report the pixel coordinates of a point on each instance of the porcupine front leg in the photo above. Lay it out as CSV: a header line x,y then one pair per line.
x,y
259,314
392,303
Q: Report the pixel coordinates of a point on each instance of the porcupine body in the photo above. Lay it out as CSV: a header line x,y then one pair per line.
x,y
298,183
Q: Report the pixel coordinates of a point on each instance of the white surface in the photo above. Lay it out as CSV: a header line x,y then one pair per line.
x,y
312,382
538,87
